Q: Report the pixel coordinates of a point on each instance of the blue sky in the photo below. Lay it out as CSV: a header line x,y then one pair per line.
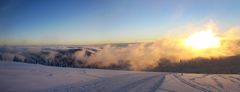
x,y
47,22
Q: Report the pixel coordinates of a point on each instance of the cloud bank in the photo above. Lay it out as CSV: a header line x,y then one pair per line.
x,y
148,55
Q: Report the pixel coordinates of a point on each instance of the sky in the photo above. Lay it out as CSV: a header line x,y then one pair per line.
x,y
77,22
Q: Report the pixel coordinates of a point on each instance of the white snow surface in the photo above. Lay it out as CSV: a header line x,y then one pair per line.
x,y
22,77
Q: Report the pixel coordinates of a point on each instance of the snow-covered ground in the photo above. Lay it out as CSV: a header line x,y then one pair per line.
x,y
22,77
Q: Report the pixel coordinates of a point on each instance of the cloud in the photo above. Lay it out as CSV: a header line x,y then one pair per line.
x,y
148,55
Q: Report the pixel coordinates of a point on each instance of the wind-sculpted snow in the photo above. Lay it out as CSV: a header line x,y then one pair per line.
x,y
21,77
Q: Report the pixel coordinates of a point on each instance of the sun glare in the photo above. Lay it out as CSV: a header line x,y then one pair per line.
x,y
203,40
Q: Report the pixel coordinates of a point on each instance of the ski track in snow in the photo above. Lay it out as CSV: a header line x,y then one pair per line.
x,y
231,79
134,82
203,76
140,85
191,84
235,78
204,85
167,90
219,84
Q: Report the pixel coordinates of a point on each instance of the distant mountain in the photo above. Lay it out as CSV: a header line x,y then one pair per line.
x,y
62,57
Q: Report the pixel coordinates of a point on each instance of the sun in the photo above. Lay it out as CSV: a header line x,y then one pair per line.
x,y
203,40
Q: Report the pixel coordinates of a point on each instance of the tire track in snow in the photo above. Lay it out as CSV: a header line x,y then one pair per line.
x,y
191,84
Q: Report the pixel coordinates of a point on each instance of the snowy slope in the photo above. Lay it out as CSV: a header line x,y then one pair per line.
x,y
21,77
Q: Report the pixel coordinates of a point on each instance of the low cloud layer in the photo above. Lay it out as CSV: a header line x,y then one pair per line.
x,y
148,55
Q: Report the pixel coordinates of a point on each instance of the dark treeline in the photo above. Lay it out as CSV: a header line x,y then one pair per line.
x,y
225,65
